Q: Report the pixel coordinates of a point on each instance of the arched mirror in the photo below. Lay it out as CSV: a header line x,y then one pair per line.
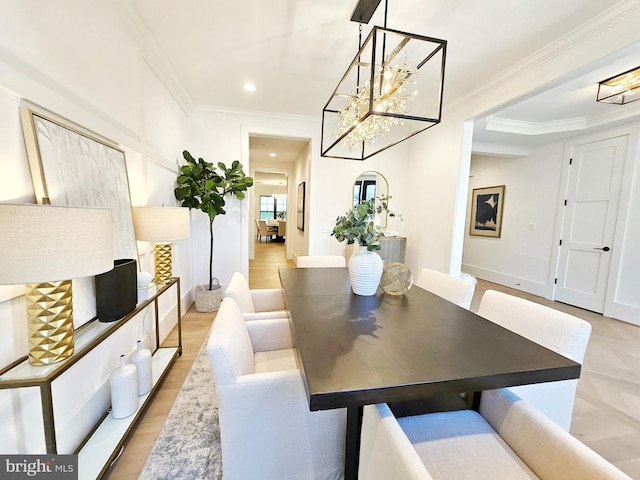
x,y
370,185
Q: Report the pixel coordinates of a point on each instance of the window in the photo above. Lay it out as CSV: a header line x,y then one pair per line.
x,y
273,207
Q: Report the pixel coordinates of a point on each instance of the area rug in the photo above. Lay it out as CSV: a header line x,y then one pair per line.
x,y
188,446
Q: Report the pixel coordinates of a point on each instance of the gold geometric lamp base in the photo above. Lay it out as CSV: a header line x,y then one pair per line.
x,y
50,321
162,256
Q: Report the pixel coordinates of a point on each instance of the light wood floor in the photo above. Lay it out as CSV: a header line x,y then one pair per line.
x,y
607,410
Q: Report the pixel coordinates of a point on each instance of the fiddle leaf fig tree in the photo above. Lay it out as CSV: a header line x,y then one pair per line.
x,y
203,187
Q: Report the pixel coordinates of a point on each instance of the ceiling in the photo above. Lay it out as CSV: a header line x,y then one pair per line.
x,y
295,51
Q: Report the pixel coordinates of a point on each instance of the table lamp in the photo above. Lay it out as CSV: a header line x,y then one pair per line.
x,y
161,225
45,247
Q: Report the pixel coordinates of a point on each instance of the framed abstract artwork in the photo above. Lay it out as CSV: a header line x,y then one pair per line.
x,y
300,207
486,211
72,167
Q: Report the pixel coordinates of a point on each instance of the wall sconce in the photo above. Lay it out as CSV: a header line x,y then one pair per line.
x,y
45,247
621,89
161,225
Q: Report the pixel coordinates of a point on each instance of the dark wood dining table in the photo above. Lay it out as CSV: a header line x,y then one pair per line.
x,y
359,350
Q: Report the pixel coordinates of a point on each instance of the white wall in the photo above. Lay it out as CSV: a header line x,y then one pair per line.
x,y
521,257
299,239
58,56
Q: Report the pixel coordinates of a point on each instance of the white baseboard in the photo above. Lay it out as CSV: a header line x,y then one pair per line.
x,y
626,313
523,284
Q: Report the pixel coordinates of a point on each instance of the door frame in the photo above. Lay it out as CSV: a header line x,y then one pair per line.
x,y
633,149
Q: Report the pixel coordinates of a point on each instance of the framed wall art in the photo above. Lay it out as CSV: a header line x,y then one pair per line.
x,y
486,211
300,207
72,167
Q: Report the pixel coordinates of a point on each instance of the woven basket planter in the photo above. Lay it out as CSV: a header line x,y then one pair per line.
x,y
208,300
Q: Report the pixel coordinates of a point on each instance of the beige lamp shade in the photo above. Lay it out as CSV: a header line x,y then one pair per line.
x,y
44,243
161,224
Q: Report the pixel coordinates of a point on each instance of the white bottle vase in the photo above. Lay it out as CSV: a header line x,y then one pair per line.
x,y
124,390
141,358
365,270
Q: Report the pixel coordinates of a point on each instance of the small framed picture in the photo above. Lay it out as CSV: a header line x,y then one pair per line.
x,y
300,207
486,211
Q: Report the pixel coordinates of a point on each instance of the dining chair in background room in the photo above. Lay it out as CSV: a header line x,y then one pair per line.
x,y
450,288
553,329
266,428
256,304
266,230
507,439
282,228
320,261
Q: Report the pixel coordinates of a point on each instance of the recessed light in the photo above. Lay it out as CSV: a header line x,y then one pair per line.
x,y
272,154
249,87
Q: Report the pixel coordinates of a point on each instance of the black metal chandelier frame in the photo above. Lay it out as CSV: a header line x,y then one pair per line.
x,y
435,46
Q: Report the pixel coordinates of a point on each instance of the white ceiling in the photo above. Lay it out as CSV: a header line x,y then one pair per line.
x,y
295,51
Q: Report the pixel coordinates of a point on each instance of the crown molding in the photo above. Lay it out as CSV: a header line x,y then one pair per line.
x,y
521,127
614,15
627,112
498,150
630,112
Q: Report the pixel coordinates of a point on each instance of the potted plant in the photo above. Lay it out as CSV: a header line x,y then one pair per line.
x,y
200,186
357,225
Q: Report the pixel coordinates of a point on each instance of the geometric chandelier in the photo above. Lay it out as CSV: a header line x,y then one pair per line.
x,y
621,89
391,91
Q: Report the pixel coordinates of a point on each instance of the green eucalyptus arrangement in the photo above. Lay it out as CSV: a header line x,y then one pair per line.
x,y
201,186
357,224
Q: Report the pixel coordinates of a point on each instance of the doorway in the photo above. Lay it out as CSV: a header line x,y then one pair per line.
x,y
273,162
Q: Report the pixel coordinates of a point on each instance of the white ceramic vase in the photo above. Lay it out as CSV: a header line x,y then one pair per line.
x,y
365,270
124,390
141,358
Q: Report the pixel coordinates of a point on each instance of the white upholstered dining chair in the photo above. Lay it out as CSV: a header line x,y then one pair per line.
x,y
256,304
320,261
507,440
266,429
553,329
450,288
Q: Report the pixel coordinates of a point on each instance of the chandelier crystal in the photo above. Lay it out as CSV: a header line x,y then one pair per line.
x,y
389,96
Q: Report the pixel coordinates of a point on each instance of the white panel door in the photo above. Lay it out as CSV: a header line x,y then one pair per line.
x,y
593,192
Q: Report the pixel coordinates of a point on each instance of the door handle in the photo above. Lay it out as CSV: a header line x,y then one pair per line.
x,y
604,249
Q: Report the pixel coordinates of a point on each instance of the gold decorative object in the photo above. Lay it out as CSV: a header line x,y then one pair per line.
x,y
389,96
43,247
50,318
162,257
161,225
396,278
